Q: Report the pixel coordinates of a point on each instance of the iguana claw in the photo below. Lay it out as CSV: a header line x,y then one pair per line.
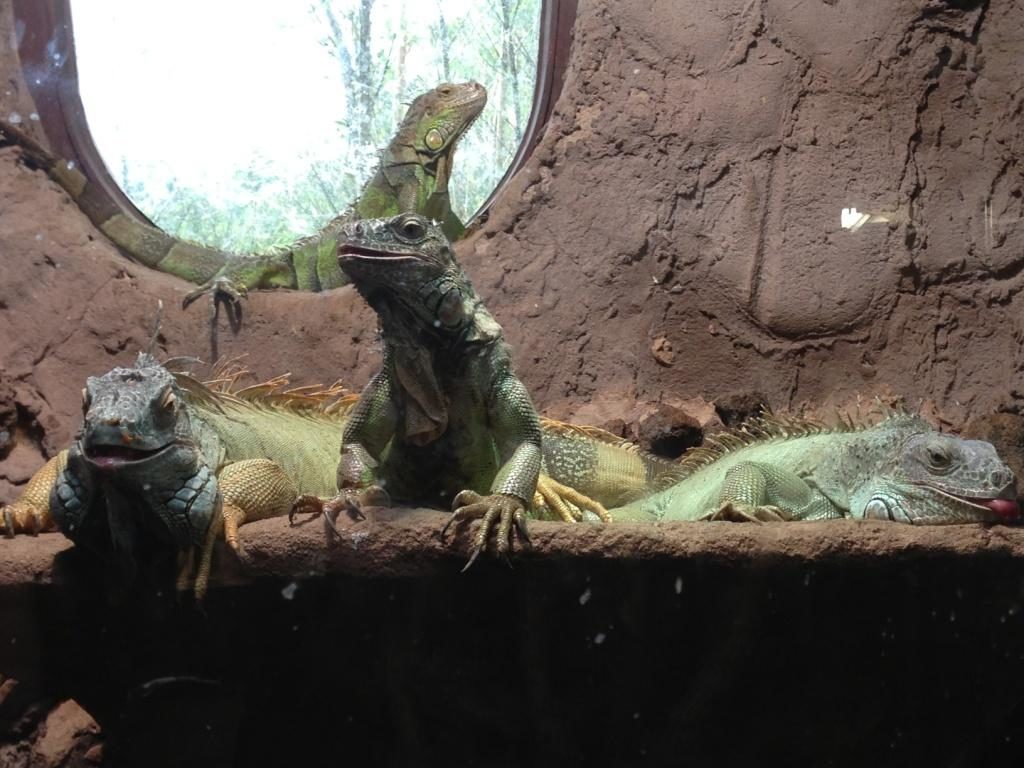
x,y
21,518
499,507
567,502
350,501
735,512
220,289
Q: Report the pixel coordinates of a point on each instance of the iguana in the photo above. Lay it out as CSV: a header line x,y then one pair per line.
x,y
413,175
164,463
445,420
177,461
779,468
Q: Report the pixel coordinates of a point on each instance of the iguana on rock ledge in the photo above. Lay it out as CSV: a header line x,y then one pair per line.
x,y
413,176
789,469
164,463
445,421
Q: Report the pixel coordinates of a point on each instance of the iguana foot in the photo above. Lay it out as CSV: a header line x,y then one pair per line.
x,y
499,507
558,497
350,501
220,289
22,518
735,512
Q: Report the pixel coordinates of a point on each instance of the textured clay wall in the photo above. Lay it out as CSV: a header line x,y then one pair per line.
x,y
676,234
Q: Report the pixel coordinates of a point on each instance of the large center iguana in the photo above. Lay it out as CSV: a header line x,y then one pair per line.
x,y
774,468
445,421
413,175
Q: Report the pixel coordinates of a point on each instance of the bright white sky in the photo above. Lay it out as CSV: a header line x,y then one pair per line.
x,y
198,88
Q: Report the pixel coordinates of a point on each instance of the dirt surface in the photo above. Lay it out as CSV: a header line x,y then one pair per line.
x,y
676,234
401,542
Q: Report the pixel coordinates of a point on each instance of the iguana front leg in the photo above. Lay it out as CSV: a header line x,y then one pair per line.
x,y
254,489
517,433
369,428
31,512
761,492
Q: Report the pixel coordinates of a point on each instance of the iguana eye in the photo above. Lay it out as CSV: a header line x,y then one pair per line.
x,y
434,139
445,90
938,456
411,229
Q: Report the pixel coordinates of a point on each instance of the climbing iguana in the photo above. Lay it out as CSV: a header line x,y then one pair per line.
x,y
413,176
164,463
445,420
177,461
778,468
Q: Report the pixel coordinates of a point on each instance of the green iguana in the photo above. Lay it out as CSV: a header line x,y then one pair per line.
x,y
164,463
413,176
776,468
446,420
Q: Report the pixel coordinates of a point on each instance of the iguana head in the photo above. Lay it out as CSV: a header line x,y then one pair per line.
x,y
938,478
131,415
405,268
136,448
437,119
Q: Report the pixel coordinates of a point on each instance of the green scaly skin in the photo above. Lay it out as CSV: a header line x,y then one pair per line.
x,y
148,434
413,176
445,421
900,469
163,465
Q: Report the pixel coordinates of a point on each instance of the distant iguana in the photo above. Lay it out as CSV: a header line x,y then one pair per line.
x,y
775,468
446,420
164,463
413,176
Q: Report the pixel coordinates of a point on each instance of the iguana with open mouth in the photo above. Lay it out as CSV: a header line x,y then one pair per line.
x,y
446,421
777,468
413,175
164,463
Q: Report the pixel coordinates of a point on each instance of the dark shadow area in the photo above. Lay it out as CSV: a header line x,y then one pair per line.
x,y
552,663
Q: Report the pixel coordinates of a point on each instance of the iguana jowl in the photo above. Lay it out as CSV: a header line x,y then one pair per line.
x,y
445,421
900,469
413,175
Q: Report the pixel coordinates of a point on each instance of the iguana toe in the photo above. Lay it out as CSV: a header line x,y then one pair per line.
x,y
21,518
567,502
350,501
736,512
499,508
220,289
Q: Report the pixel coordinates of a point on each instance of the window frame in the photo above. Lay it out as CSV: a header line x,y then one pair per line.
x,y
46,51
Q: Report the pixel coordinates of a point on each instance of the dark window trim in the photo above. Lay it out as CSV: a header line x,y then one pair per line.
x,y
46,50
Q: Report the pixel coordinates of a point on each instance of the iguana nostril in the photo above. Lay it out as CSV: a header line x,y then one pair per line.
x,y
999,478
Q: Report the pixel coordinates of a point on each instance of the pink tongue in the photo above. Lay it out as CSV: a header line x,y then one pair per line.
x,y
1005,508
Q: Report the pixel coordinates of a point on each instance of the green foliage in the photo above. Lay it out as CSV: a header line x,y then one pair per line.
x,y
383,53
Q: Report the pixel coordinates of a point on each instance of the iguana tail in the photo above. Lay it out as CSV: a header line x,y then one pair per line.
x,y
141,242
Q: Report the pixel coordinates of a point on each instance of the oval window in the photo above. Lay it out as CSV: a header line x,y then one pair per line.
x,y
246,126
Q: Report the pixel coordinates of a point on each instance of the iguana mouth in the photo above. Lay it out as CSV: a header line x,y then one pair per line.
x,y
373,254
114,456
1006,509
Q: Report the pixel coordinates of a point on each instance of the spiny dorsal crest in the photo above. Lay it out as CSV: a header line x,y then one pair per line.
x,y
771,427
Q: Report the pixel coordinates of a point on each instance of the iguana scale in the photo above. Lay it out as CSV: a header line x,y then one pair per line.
x,y
776,468
413,175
